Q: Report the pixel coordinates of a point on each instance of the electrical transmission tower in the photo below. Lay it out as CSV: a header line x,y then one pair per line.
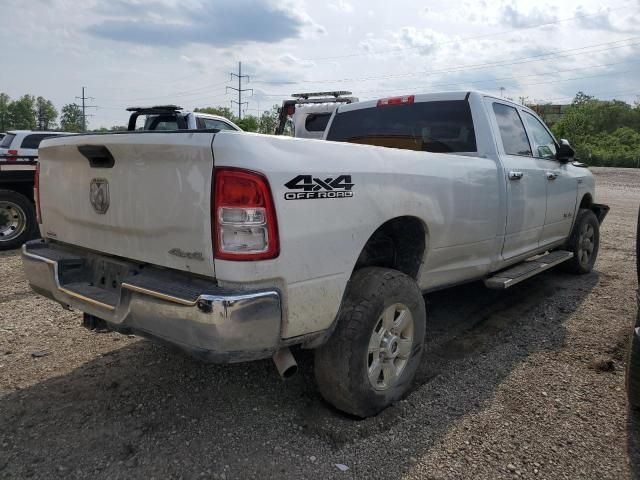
x,y
239,89
84,98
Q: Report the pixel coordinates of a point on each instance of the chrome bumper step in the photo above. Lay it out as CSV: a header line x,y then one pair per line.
x,y
527,269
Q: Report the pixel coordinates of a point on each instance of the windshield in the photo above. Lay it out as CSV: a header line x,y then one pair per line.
x,y
442,126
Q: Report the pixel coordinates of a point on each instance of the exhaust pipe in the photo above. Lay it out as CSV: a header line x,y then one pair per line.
x,y
285,363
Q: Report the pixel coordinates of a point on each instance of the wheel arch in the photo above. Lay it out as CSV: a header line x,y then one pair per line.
x,y
399,243
586,201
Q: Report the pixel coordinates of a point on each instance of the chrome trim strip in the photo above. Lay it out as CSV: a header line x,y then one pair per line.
x,y
97,303
162,296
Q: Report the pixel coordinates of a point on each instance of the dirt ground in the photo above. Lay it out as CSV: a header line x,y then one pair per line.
x,y
526,383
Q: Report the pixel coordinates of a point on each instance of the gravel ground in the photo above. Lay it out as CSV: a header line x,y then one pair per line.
x,y
524,383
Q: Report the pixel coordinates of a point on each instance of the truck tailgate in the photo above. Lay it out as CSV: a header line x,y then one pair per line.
x,y
151,203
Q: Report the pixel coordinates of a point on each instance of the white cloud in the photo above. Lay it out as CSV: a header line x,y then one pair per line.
x,y
341,6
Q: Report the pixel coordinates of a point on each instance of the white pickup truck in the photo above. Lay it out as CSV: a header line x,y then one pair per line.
x,y
237,246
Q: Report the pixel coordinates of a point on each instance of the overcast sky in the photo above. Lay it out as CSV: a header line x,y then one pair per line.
x,y
145,52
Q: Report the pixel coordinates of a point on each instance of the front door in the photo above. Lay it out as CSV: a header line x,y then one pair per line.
x,y
526,183
562,188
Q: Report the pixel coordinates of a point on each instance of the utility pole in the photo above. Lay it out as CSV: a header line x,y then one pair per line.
x,y
84,98
239,89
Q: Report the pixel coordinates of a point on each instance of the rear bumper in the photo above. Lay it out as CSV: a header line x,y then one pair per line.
x,y
194,314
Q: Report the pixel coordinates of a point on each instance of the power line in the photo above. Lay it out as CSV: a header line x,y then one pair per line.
x,y
501,63
186,93
475,37
501,79
240,89
84,108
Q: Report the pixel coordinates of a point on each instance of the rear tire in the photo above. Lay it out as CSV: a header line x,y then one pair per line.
x,y
370,360
584,242
17,219
632,372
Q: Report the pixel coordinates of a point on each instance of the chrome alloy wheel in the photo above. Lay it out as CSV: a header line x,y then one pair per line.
x,y
13,221
585,244
390,346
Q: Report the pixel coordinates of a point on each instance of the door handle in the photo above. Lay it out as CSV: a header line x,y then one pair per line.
x,y
515,175
552,175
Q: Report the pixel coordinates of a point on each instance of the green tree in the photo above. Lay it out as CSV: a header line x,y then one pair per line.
x,y
22,113
220,111
71,118
268,121
602,132
249,123
46,114
5,117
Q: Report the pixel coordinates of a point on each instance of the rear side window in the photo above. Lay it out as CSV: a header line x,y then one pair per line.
x,y
443,126
33,141
6,141
216,124
514,137
317,122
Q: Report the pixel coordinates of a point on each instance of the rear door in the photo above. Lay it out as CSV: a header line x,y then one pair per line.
x,y
526,183
562,189
143,196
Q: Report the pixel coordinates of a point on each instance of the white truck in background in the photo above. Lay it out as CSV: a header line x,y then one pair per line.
x,y
308,114
237,246
18,160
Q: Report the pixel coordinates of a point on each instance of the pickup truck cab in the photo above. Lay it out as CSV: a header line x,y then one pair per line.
x,y
173,117
237,246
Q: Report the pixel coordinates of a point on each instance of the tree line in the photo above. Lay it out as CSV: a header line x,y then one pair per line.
x,y
38,113
602,132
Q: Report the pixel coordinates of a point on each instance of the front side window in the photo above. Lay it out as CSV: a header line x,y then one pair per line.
x,y
438,126
545,145
514,137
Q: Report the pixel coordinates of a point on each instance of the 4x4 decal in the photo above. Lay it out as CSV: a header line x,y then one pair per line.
x,y
314,188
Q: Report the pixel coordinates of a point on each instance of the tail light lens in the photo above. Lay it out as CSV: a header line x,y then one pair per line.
x,y
12,155
36,194
245,226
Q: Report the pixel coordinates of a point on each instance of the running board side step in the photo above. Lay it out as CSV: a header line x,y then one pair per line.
x,y
527,269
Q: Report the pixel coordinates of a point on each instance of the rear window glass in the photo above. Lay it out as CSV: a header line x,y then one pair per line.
x,y
33,141
157,122
317,122
6,141
443,126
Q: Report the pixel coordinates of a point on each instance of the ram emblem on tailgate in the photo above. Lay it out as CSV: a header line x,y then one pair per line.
x,y
99,194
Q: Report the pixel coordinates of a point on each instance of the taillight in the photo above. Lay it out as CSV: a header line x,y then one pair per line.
x,y
406,100
244,217
12,155
291,109
36,194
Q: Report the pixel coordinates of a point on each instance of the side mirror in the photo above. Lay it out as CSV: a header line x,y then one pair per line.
x,y
565,152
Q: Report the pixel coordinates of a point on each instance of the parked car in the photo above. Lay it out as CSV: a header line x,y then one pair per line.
x,y
308,114
236,246
633,360
18,157
172,117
